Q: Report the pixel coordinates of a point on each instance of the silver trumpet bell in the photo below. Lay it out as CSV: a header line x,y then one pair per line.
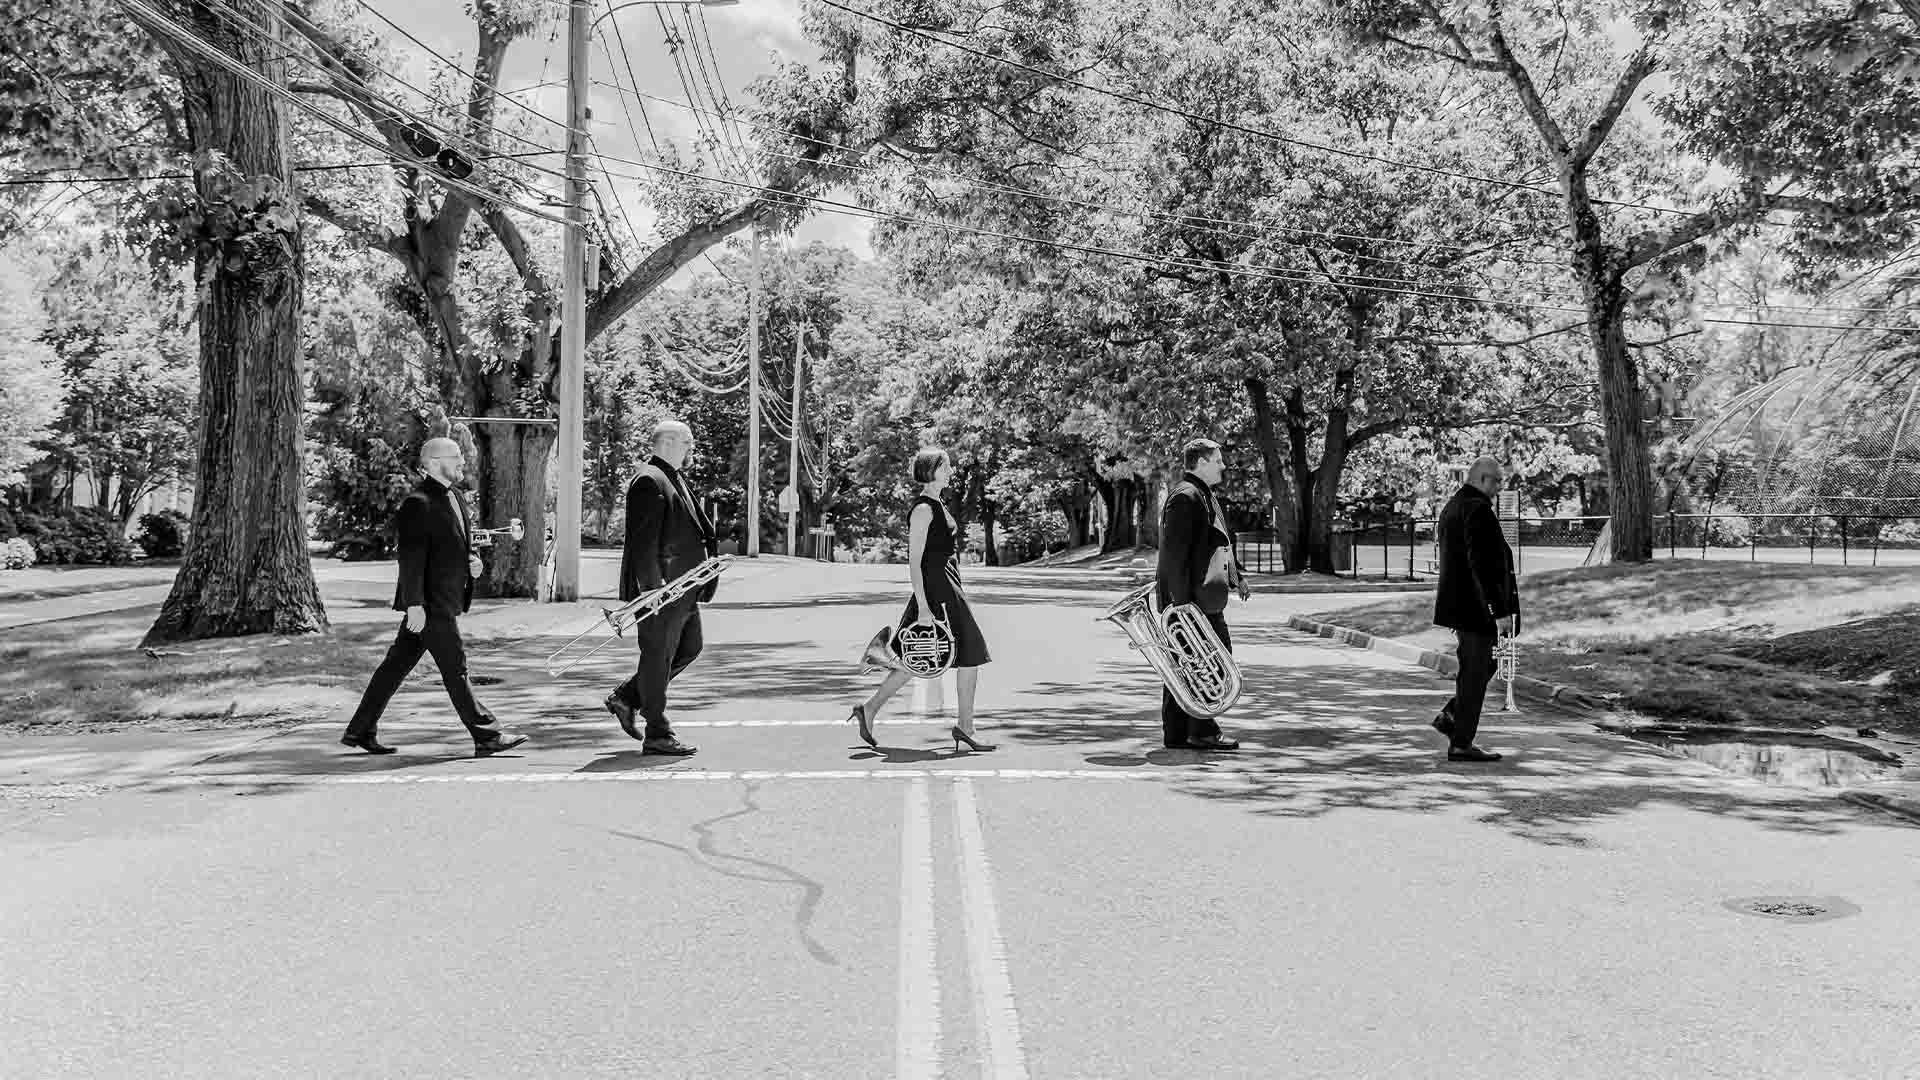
x,y
515,529
1182,648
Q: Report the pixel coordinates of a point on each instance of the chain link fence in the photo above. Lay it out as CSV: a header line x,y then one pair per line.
x,y
1404,550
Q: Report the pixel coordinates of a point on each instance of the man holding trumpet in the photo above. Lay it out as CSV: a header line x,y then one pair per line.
x,y
1478,598
434,587
668,536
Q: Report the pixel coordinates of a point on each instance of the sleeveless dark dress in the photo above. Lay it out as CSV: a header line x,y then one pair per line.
x,y
940,571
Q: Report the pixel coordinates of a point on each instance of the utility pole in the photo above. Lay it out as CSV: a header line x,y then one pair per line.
x,y
793,444
753,400
573,317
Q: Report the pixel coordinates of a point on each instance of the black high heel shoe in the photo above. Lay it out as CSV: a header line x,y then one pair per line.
x,y
859,716
972,743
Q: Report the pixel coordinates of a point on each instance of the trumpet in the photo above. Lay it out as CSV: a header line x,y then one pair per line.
x,y
1183,649
514,528
640,608
1505,658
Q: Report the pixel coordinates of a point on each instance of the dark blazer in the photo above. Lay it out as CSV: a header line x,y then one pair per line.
x,y
1477,583
434,545
667,535
1196,552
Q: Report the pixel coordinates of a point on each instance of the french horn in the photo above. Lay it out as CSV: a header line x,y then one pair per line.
x,y
925,652
1183,649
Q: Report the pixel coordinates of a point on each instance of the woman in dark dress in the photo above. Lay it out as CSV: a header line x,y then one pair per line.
x,y
936,591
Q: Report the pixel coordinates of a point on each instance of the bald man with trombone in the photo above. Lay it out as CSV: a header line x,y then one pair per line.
x,y
669,541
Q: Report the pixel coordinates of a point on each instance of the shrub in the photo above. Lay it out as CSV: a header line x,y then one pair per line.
x,y
879,549
1729,532
163,535
16,554
74,537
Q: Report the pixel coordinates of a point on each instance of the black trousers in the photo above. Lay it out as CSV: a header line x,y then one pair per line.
x,y
668,641
1177,725
441,637
1475,653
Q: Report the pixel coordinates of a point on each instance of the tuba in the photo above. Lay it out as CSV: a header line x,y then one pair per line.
x,y
1182,647
644,606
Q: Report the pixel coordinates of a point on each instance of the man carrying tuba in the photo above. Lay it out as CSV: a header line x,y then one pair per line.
x,y
1196,567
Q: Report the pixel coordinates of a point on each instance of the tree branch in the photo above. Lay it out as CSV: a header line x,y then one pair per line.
x,y
1741,206
361,231
1662,341
515,245
1640,65
1474,63
664,261
1530,100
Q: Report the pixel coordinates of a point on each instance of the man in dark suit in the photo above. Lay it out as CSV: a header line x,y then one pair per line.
x,y
668,534
1197,567
434,588
1478,598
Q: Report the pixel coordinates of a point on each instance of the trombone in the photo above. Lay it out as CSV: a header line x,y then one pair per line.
x,y
638,609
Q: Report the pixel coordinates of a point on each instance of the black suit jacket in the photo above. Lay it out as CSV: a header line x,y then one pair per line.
x,y
1196,552
434,545
1477,583
667,535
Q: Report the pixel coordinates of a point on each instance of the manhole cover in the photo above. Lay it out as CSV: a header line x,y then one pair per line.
x,y
1794,908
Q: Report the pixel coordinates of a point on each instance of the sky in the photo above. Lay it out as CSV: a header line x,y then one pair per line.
x,y
746,37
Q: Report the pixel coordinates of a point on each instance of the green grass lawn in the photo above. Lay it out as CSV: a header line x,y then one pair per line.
x,y
90,674
1712,642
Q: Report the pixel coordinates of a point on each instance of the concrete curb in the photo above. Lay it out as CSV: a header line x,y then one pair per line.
x,y
1899,798
1523,685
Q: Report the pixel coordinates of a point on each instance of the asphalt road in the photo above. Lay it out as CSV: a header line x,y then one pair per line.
x,y
1336,900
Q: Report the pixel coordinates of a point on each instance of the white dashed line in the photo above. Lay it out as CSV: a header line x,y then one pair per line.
x,y
986,950
917,1050
656,775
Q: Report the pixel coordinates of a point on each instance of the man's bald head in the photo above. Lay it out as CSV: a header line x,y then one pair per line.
x,y
1487,475
443,460
672,441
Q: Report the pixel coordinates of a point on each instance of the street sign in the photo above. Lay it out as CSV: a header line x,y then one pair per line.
x,y
789,501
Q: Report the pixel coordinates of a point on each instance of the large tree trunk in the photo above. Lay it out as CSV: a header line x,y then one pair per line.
x,y
513,483
1122,497
1602,275
1077,508
1286,504
1148,502
1629,466
245,569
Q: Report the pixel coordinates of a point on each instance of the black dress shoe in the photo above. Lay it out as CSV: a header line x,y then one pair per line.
x,y
1470,753
1212,742
506,740
365,742
667,745
622,712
